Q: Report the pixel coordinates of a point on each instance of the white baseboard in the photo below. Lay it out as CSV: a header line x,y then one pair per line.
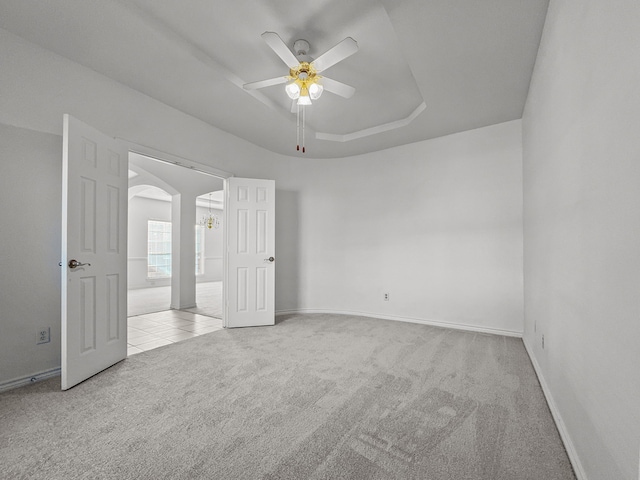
x,y
36,377
562,428
423,321
183,307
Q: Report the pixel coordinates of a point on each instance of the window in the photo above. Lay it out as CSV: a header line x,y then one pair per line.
x,y
158,249
199,250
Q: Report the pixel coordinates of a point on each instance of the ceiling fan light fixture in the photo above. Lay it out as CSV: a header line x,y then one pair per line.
x,y
293,90
303,82
315,90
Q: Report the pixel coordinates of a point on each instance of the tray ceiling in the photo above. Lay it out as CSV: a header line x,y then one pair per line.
x,y
423,69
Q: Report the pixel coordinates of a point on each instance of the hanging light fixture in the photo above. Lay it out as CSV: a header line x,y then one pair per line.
x,y
210,220
303,82
303,85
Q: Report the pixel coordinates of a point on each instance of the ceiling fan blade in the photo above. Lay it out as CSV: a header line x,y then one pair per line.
x,y
342,50
265,83
338,88
277,45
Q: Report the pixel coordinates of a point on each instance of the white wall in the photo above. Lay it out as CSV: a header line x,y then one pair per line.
x,y
30,196
436,224
582,229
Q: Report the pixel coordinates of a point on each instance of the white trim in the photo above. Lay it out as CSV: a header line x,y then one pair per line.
x,y
174,159
562,428
183,307
423,321
403,122
36,377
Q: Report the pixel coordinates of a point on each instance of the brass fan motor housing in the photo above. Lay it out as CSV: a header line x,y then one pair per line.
x,y
304,75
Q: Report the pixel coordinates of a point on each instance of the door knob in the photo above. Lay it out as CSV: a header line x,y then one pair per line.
x,y
270,259
76,264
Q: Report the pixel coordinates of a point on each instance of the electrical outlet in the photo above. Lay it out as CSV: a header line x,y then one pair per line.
x,y
43,335
543,342
386,297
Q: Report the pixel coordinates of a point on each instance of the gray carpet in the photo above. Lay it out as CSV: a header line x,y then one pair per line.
x,y
314,397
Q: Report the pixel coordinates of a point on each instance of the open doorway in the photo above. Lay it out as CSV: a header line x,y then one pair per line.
x,y
175,253
94,249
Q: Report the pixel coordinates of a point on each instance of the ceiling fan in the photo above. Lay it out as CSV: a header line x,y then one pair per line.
x,y
304,82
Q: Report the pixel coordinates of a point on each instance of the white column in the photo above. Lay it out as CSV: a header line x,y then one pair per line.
x,y
183,251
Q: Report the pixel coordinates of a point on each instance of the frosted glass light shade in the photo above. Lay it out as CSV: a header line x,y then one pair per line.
x,y
315,90
304,100
293,90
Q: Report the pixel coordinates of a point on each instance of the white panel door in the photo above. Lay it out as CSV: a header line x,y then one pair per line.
x,y
250,268
94,252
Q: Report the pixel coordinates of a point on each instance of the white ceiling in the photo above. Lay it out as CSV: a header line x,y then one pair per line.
x,y
468,61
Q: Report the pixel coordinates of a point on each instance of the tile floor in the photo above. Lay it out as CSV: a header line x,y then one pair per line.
x,y
152,330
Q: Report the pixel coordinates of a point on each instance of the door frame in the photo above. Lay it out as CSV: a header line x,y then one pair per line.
x,y
172,159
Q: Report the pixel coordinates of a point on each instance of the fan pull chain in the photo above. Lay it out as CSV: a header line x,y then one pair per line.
x,y
304,109
298,129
